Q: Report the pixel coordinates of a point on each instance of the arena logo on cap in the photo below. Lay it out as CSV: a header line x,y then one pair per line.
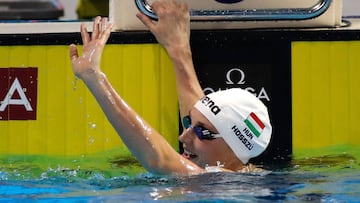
x,y
255,125
18,93
215,109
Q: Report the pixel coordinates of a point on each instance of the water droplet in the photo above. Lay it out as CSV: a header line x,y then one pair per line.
x,y
91,140
75,83
92,125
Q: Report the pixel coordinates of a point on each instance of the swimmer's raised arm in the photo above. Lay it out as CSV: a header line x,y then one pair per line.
x,y
172,31
146,144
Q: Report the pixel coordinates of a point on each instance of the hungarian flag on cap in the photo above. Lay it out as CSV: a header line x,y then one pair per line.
x,y
254,124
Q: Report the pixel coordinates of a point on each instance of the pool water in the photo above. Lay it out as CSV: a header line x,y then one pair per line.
x,y
327,178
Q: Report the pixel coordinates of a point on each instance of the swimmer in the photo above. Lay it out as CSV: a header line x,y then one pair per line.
x,y
222,130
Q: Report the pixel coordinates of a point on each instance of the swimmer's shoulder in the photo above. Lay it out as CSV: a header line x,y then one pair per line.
x,y
249,168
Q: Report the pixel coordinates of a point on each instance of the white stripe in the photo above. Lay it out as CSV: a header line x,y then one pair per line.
x,y
255,124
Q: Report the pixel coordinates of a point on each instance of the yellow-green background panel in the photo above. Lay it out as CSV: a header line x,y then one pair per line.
x,y
69,120
325,94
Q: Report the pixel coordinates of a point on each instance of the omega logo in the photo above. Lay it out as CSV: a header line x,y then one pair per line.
x,y
236,76
231,72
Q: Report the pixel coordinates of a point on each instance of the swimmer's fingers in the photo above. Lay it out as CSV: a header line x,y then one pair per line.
x,y
106,33
105,30
96,28
146,21
184,7
84,34
160,8
74,55
103,25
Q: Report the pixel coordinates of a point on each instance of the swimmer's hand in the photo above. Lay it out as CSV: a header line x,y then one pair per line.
x,y
89,61
172,30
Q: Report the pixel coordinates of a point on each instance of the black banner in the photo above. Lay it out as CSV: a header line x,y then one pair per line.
x,y
261,67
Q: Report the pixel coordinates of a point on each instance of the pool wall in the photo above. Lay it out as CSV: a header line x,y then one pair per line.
x,y
68,120
325,94
310,76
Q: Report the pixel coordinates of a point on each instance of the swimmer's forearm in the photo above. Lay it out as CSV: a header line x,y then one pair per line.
x,y
146,144
188,86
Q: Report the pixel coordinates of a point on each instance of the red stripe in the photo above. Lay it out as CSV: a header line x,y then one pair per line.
x,y
257,120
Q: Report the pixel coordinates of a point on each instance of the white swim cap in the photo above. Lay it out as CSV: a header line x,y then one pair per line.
x,y
241,119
